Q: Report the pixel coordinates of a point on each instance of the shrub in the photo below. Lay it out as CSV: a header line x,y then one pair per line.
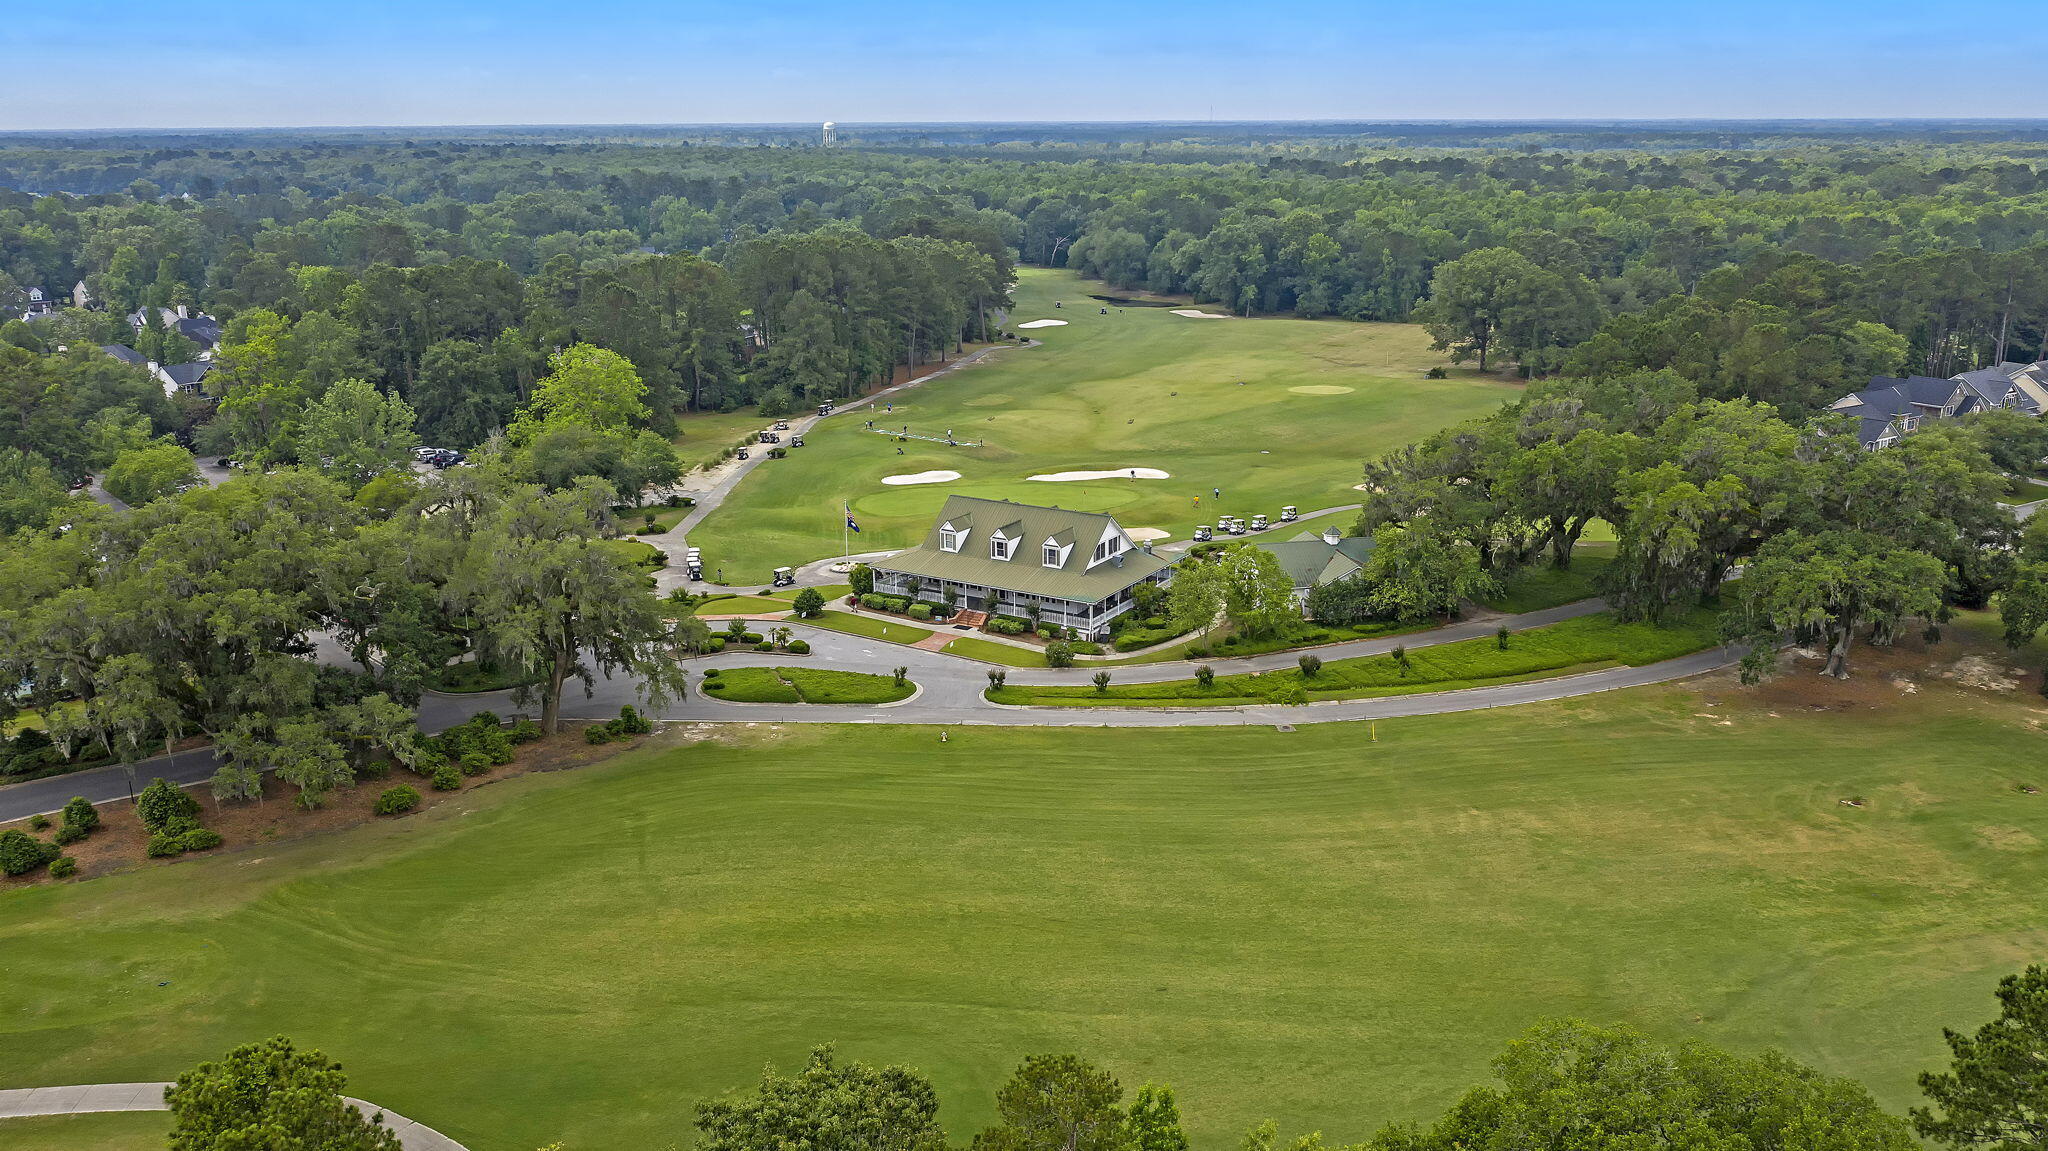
x,y
161,802
1101,681
200,839
632,722
996,676
713,673
597,733
872,601
524,731
163,846
1198,651
1205,676
397,800
1500,638
1059,653
21,853
799,647
39,822
1311,666
808,603
446,777
750,637
63,867
862,577
717,644
1400,658
920,611
1007,625
899,604
900,674
1048,631
68,834
1436,373
475,763
484,719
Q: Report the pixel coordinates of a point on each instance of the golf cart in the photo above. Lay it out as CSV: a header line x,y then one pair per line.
x,y
784,577
1259,523
1231,524
1202,533
742,453
770,438
825,409
1289,514
796,441
782,425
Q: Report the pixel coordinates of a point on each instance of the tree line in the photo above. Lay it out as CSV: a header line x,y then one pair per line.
x,y
1562,1086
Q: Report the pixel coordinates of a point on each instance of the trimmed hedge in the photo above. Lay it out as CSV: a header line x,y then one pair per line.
x,y
21,853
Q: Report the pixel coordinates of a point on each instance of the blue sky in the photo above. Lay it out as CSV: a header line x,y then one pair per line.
x,y
90,64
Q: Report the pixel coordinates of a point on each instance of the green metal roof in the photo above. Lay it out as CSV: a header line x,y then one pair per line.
x,y
1311,561
1026,571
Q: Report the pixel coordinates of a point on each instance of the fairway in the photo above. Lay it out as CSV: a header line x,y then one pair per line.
x,y
1272,411
1313,926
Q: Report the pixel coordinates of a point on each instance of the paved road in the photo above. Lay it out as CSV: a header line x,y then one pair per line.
x,y
951,696
97,1097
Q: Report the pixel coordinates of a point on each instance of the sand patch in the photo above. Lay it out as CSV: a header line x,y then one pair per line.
x,y
938,477
1044,324
1198,314
1321,390
1144,534
1115,474
1981,673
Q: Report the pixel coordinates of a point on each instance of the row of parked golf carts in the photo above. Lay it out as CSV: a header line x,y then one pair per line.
x,y
1236,526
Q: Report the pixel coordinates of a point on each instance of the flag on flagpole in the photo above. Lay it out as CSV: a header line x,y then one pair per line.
x,y
850,525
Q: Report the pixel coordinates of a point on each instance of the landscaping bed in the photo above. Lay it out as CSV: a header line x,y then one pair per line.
x,y
802,685
1577,645
893,632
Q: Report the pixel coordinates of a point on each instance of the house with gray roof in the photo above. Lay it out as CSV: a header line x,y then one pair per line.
x,y
996,557
1893,408
1312,560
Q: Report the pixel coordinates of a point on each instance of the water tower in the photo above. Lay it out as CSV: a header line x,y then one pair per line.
x,y
831,134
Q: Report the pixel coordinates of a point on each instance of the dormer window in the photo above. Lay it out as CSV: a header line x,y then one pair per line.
x,y
998,548
1052,556
952,539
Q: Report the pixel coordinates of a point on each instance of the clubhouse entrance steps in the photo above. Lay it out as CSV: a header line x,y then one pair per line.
x,y
973,619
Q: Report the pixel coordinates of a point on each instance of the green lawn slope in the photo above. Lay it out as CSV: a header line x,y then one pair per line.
x,y
1334,927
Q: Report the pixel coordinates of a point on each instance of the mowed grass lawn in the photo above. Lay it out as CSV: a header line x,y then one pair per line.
x,y
803,685
1141,388
99,1131
1309,926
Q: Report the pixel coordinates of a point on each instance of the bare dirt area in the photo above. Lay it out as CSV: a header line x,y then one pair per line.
x,y
119,843
1964,662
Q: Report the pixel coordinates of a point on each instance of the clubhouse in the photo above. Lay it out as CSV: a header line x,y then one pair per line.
x,y
995,557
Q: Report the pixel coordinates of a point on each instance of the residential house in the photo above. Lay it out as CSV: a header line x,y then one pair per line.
x,y
1311,560
37,303
1892,408
197,327
175,378
1000,558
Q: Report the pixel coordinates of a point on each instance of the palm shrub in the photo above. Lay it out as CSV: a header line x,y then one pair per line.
x,y
1500,638
1205,676
1310,666
397,800
901,674
1101,681
996,676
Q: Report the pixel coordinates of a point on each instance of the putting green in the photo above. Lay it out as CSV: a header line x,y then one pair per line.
x,y
1208,403
1333,927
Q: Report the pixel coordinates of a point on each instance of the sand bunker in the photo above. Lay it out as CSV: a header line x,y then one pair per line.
x,y
1044,324
1321,390
1143,534
920,478
1116,474
1198,314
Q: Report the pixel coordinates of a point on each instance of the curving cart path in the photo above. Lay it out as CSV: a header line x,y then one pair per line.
x,y
86,1098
